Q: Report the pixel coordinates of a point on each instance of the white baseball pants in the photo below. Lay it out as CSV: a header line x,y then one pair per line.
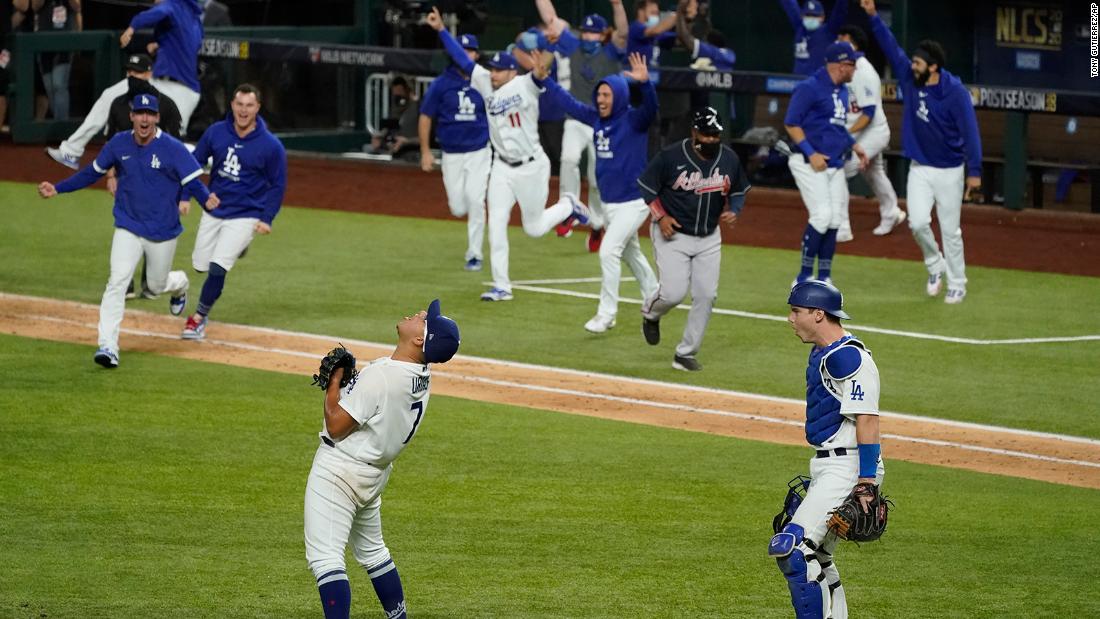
x,y
466,179
874,143
126,251
824,193
343,504
684,262
577,139
95,121
221,241
529,185
620,244
942,188
184,98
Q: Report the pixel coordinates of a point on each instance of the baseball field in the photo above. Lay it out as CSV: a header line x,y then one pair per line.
x,y
557,473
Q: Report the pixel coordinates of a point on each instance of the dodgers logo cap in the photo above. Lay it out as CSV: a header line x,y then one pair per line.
x,y
813,7
145,102
139,62
841,51
594,23
441,337
503,60
468,41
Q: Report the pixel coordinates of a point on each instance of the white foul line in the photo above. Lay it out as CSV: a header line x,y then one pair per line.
x,y
528,285
626,400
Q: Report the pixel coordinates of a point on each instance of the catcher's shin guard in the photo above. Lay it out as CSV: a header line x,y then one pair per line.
x,y
805,578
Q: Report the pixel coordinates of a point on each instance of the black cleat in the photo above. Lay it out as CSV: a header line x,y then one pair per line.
x,y
651,329
687,364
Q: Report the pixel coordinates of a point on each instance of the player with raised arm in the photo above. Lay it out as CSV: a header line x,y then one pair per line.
x,y
521,170
152,167
620,132
939,134
369,419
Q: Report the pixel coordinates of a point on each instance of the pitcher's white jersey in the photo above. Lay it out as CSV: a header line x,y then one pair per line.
x,y
388,399
866,89
513,111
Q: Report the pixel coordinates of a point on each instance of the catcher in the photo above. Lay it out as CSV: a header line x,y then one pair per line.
x,y
840,499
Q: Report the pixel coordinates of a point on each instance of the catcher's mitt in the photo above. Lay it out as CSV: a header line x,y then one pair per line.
x,y
862,516
338,357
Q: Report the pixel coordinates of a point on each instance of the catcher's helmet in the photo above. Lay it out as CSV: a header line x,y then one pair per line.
x,y
705,120
820,295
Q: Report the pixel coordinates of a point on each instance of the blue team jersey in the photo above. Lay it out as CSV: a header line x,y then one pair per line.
x,y
150,180
459,112
939,127
820,108
549,110
177,28
620,139
809,45
248,174
722,57
648,47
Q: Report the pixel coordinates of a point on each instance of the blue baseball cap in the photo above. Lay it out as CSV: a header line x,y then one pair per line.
x,y
594,23
503,60
813,7
468,41
145,102
441,337
841,51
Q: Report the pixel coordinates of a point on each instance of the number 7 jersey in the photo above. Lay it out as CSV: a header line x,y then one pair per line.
x,y
388,400
513,111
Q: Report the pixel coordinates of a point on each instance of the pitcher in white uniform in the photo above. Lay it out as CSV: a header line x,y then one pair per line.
x,y
521,170
367,425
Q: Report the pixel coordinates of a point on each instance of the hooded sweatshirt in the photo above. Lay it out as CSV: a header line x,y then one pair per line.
x,y
621,138
939,127
177,28
248,174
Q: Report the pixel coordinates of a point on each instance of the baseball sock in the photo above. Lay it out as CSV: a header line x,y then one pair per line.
x,y
825,254
211,288
336,596
387,586
811,245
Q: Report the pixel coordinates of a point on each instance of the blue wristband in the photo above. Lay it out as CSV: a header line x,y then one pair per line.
x,y
868,459
805,147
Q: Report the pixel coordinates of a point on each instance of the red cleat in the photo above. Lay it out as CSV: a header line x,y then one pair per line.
x,y
565,228
595,238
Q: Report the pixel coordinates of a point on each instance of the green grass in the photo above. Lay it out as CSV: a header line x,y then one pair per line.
x,y
172,488
353,275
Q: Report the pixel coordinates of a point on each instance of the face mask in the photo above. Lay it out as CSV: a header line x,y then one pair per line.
x,y
400,101
590,47
811,23
652,21
708,150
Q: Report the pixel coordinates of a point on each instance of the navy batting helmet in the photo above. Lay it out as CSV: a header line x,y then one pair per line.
x,y
818,294
705,120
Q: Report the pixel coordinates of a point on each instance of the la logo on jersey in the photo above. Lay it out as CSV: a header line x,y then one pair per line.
x,y
603,146
802,48
922,111
466,108
231,167
839,110
156,162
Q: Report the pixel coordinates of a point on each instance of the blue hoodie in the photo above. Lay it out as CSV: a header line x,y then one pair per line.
x,y
248,174
939,127
809,45
177,28
621,138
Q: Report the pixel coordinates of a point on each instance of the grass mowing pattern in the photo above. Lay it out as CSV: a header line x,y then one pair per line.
x,y
173,489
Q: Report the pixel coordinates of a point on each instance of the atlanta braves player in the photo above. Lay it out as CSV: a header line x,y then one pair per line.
x,y
152,166
842,393
249,173
815,121
521,170
463,134
367,425
939,133
867,122
621,134
686,186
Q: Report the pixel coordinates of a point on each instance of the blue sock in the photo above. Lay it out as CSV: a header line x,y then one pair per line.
x,y
387,586
335,595
211,288
825,255
811,245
